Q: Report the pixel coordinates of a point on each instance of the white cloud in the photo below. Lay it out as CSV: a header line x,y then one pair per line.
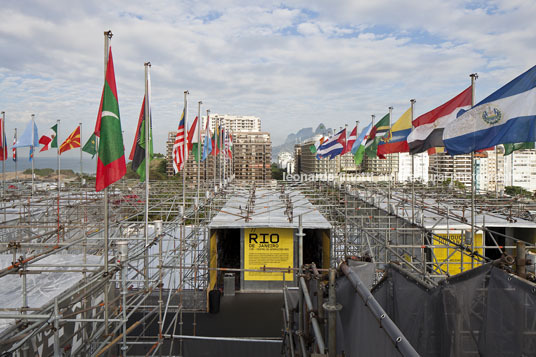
x,y
294,66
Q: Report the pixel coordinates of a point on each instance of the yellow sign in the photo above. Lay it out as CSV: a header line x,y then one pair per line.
x,y
454,255
270,248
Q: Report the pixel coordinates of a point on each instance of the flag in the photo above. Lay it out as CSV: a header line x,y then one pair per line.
x,y
91,145
50,139
358,149
216,141
179,154
314,147
73,141
3,141
137,153
230,149
350,141
14,148
510,148
507,116
436,150
28,138
229,145
333,146
428,132
207,145
193,139
397,138
376,133
111,164
222,142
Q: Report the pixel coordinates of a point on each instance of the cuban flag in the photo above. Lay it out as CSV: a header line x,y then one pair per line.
x,y
506,116
332,147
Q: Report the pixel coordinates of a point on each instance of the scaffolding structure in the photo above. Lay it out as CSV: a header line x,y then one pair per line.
x,y
60,235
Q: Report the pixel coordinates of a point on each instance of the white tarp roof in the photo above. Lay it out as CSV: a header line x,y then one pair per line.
x,y
401,206
269,211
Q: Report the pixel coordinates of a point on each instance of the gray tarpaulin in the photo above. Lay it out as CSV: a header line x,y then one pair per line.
x,y
358,331
482,312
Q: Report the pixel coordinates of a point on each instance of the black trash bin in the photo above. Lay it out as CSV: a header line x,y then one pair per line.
x,y
214,301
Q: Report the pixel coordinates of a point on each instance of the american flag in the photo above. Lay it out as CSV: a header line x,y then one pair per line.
x,y
180,155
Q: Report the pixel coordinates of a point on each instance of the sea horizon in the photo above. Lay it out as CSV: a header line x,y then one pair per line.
x,y
89,165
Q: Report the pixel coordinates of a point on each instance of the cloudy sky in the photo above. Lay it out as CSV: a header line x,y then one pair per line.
x,y
294,63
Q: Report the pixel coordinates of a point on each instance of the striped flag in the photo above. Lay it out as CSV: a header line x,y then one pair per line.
x,y
506,116
179,154
350,141
192,139
14,148
429,127
396,139
333,146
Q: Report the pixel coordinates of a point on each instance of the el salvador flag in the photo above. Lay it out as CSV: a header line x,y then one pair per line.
x,y
506,116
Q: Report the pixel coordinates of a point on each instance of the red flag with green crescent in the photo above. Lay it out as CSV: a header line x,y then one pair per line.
x,y
111,164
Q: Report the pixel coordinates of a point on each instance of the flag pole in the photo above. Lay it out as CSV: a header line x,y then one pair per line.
x,y
16,158
206,158
412,172
59,179
341,156
184,152
4,151
390,170
215,151
496,173
32,152
147,113
4,158
81,167
198,148
375,158
224,142
107,37
58,158
218,153
473,76
357,134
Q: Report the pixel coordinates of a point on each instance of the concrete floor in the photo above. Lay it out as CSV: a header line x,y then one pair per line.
x,y
257,315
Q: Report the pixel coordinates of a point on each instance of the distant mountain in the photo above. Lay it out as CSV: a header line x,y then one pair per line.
x,y
293,138
320,129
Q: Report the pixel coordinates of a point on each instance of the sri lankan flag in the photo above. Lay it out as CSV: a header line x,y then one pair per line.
x,y
137,154
73,141
111,164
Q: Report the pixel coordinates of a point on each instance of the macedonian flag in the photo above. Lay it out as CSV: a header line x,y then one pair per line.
x,y
73,141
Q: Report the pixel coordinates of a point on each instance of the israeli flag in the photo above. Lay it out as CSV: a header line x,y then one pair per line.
x,y
506,116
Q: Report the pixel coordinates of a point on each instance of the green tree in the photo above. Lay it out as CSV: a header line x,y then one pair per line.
x,y
277,173
517,191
